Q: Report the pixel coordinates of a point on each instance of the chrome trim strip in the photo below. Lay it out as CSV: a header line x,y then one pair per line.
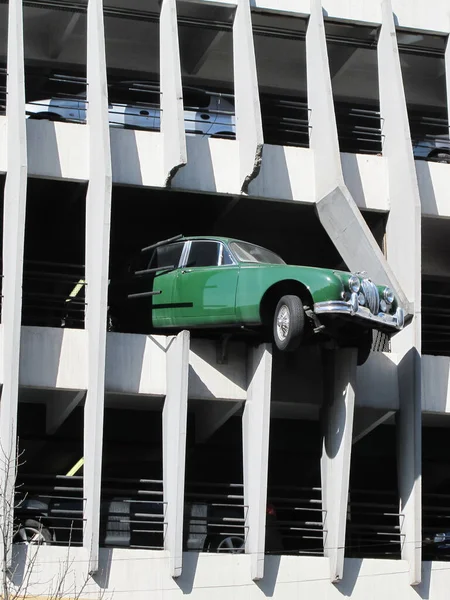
x,y
345,308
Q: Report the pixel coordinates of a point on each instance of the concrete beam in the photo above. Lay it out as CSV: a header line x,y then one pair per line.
x,y
255,439
174,447
172,114
447,72
403,243
338,411
335,206
15,196
98,217
210,416
249,131
60,408
368,419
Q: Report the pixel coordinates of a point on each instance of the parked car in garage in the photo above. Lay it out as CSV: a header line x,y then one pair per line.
x,y
436,148
131,523
206,113
221,284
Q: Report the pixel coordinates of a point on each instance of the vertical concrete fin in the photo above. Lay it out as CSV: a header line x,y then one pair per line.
x,y
403,242
447,72
98,217
255,439
174,446
409,464
405,211
338,413
15,197
172,114
249,131
336,209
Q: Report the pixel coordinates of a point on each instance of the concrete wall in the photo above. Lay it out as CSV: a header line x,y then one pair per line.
x,y
228,576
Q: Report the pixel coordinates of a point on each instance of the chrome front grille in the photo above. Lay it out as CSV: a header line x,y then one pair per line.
x,y
372,295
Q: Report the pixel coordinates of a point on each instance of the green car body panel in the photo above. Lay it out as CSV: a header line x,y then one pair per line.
x,y
232,294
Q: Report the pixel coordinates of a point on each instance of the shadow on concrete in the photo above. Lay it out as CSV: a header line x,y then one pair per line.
x,y
102,576
186,580
426,188
42,147
126,164
268,583
352,568
198,174
274,179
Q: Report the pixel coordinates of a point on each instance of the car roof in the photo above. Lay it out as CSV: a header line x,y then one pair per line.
x,y
215,238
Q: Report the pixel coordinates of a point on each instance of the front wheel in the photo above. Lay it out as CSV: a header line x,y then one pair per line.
x,y
33,533
288,323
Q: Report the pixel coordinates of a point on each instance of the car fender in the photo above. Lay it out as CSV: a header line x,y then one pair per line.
x,y
255,281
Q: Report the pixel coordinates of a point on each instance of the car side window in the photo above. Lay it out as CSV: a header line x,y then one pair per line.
x,y
167,256
204,254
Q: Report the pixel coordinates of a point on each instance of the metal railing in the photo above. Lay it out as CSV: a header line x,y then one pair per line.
x,y
436,526
132,513
49,510
359,130
61,98
373,524
215,517
285,121
299,520
435,317
430,137
53,294
3,76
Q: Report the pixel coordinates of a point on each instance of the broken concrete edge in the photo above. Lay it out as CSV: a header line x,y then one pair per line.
x,y
255,171
173,171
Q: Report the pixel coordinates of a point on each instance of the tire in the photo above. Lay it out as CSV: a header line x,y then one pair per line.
x,y
442,157
364,347
288,323
46,116
232,544
33,533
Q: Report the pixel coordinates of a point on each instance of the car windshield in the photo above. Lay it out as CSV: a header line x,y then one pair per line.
x,y
246,252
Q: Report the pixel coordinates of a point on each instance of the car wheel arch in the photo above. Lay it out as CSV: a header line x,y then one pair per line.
x,y
276,291
436,151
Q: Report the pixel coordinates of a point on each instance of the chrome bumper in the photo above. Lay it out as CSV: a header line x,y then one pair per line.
x,y
353,309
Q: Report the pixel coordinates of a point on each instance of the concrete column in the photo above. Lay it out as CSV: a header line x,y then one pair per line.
x,y
15,196
249,131
447,73
255,439
403,243
338,412
172,114
335,206
174,446
98,215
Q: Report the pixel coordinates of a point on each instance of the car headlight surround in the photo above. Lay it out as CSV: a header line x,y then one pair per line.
x,y
388,295
354,283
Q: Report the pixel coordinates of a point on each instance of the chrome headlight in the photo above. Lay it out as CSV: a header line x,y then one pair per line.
x,y
354,284
361,299
388,295
383,306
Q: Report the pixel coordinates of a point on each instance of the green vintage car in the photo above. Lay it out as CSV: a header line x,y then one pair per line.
x,y
217,283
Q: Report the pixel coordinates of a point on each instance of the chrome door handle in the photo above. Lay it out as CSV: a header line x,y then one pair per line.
x,y
183,271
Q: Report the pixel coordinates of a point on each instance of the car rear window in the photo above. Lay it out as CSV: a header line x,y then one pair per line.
x,y
167,256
